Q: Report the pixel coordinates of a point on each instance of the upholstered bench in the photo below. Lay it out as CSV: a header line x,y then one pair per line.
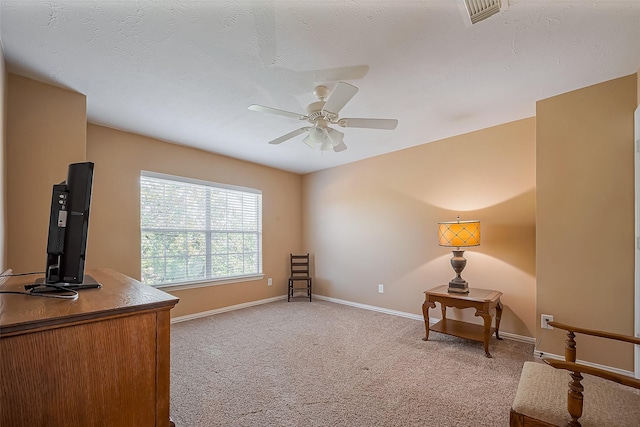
x,y
566,393
542,397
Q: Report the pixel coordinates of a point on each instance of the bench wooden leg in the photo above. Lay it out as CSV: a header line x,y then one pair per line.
x,y
516,419
574,399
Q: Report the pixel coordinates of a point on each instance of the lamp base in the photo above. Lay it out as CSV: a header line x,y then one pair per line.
x,y
457,287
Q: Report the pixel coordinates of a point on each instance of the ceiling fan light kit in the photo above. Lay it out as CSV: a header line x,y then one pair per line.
x,y
323,113
325,139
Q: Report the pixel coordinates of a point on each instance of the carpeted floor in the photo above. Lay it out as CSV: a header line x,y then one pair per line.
x,y
326,364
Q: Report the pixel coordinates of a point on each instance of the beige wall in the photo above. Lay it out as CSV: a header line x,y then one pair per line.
x,y
375,221
114,239
3,145
585,215
46,130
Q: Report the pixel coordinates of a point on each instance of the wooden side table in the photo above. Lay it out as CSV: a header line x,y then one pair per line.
x,y
483,300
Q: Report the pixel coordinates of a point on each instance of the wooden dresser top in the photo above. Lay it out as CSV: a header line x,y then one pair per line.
x,y
119,295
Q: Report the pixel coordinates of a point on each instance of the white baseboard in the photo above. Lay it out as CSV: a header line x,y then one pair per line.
x,y
507,335
542,354
516,337
432,321
225,309
371,307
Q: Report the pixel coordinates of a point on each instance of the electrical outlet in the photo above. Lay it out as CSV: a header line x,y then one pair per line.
x,y
380,288
269,281
544,319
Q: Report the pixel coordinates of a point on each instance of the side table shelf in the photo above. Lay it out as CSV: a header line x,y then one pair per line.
x,y
484,301
461,329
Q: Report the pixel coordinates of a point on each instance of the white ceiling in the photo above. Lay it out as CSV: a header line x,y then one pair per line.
x,y
185,71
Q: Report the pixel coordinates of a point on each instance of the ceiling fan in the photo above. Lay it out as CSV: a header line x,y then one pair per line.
x,y
321,114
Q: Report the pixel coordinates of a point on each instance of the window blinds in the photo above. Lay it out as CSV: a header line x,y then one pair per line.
x,y
196,231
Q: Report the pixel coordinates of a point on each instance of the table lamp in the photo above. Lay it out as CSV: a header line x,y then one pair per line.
x,y
459,234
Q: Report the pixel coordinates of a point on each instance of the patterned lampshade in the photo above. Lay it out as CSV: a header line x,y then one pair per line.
x,y
460,234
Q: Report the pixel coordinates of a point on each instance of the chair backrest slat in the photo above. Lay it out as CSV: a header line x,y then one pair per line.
x,y
299,265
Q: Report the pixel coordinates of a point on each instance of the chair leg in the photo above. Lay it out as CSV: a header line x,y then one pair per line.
x,y
289,291
309,289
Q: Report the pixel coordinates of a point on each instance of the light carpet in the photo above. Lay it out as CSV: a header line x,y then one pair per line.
x,y
326,364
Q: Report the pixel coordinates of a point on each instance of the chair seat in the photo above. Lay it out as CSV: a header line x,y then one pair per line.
x,y
542,395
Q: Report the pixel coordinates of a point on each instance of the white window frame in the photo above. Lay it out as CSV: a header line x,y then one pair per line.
x,y
208,281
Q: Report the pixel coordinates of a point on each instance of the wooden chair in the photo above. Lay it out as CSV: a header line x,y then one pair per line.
x,y
601,398
299,272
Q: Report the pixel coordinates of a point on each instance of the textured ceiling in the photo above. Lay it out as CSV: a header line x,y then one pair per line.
x,y
185,71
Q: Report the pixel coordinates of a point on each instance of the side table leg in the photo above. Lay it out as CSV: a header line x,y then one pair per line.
x,y
425,313
487,331
498,317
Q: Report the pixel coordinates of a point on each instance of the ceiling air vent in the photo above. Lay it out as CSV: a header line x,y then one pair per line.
x,y
481,9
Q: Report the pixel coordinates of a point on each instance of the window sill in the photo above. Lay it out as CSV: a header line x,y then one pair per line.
x,y
209,282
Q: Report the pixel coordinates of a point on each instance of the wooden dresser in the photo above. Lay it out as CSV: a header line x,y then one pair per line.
x,y
101,360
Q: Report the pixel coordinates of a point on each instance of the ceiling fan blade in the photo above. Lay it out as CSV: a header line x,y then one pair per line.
x,y
388,124
340,147
290,135
263,109
339,97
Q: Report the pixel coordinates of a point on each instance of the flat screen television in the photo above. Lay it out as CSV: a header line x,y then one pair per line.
x,y
68,229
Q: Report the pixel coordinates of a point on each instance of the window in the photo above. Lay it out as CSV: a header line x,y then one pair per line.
x,y
194,231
